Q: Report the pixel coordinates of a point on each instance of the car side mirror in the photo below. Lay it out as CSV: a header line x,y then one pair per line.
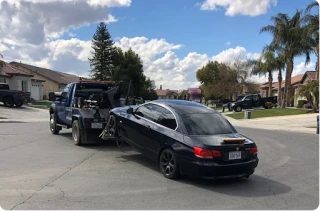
x,y
130,111
64,95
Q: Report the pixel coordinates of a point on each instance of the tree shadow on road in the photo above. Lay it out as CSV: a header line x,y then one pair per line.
x,y
255,186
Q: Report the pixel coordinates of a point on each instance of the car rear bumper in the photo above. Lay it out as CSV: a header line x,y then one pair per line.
x,y
211,169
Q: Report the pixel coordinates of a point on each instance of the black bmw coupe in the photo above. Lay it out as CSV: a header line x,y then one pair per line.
x,y
185,138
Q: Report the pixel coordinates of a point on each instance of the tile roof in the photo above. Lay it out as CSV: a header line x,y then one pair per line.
x,y
50,74
161,92
69,77
275,85
11,70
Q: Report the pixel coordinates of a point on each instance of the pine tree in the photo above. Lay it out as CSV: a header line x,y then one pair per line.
x,y
101,61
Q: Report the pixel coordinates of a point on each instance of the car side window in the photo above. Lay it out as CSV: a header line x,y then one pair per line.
x,y
166,118
147,111
255,97
249,98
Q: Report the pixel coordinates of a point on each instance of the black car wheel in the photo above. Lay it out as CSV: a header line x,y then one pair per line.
x,y
169,165
8,102
238,109
76,135
53,126
112,129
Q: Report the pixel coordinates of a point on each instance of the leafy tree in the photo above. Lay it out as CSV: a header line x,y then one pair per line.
x,y
2,63
289,40
182,94
128,66
218,80
101,61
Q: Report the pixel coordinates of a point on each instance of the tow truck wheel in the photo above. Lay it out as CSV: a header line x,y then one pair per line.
x,y
53,127
76,135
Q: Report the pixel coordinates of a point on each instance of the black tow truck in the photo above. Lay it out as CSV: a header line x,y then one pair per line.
x,y
84,107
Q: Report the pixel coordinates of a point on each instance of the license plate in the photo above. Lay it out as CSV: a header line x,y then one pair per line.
x,y
96,125
234,155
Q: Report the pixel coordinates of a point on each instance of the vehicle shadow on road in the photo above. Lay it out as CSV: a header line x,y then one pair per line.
x,y
103,146
255,186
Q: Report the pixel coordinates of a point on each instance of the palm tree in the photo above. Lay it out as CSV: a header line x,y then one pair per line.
x,y
279,64
288,40
265,65
312,21
310,90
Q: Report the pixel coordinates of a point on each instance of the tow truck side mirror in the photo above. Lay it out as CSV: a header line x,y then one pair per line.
x,y
130,111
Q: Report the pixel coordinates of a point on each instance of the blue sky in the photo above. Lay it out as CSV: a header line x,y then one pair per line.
x,y
182,22
174,38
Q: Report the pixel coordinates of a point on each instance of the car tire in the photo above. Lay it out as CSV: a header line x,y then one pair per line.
x,y
18,104
53,125
76,135
8,102
238,109
113,126
169,165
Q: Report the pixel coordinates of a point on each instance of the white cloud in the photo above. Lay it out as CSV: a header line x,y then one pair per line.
x,y
239,7
228,43
160,61
35,21
302,68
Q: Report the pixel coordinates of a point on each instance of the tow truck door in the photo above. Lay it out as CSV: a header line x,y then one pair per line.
x,y
70,95
63,106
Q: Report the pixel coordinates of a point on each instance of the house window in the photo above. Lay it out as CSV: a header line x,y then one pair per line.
x,y
24,85
3,80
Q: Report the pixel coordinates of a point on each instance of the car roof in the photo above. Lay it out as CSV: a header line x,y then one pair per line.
x,y
185,107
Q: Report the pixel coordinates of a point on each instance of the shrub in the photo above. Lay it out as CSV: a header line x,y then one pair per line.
x,y
268,105
301,103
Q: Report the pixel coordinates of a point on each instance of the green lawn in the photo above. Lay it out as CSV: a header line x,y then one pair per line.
x,y
270,113
42,103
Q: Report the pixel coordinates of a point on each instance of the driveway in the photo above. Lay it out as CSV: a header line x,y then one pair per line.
x,y
298,123
41,171
23,114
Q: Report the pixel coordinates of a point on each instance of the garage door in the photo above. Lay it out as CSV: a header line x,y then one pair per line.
x,y
35,91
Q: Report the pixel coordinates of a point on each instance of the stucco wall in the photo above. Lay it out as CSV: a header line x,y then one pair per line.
x,y
15,83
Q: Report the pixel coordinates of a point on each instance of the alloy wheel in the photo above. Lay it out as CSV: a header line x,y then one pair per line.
x,y
167,163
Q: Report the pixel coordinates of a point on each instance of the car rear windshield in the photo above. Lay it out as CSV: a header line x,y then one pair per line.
x,y
206,124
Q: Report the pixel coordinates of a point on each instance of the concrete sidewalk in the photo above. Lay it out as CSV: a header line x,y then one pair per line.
x,y
298,123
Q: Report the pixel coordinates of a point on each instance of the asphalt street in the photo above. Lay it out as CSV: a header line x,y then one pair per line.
x,y
44,171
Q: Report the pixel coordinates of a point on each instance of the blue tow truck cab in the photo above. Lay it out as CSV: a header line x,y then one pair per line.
x,y
84,107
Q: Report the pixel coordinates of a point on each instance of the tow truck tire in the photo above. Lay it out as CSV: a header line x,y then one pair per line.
x,y
76,135
238,109
53,125
8,102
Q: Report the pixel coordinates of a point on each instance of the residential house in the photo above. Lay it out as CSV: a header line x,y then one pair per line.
x,y
54,81
167,94
21,80
296,82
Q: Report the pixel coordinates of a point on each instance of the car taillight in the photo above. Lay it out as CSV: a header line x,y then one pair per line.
x,y
254,150
205,153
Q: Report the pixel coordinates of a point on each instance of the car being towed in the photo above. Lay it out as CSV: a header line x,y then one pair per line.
x,y
185,138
